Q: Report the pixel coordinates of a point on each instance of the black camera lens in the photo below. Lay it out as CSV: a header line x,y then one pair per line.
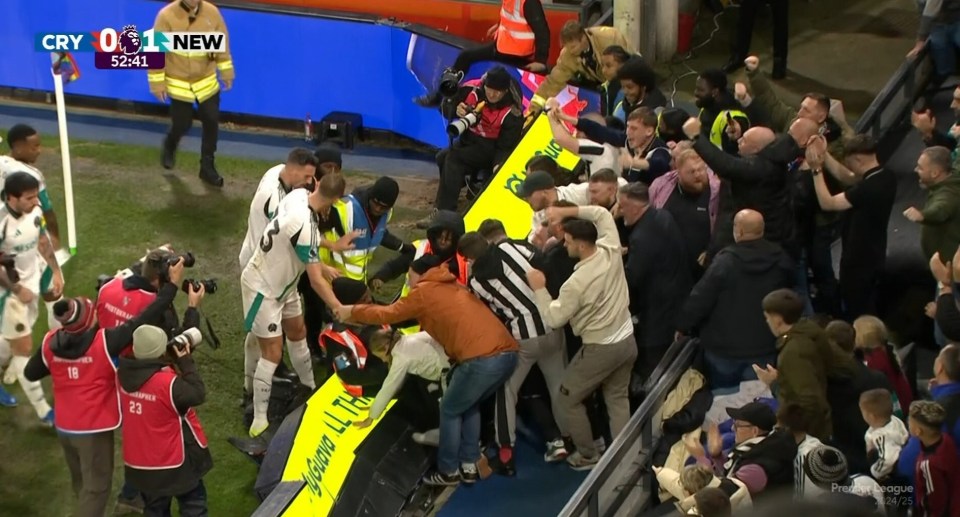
x,y
209,285
188,259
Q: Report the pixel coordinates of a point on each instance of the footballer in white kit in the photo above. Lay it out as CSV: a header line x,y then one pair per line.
x,y
25,149
23,235
298,171
268,284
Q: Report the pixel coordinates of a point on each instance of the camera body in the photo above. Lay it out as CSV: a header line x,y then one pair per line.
x,y
450,82
9,265
209,285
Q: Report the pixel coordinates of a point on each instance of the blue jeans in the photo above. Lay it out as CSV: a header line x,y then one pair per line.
x,y
724,373
192,503
944,40
471,382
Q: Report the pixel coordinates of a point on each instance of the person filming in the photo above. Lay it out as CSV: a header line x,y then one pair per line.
x,y
165,451
489,124
79,358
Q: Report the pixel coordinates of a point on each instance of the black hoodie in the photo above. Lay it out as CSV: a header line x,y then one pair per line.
x,y
188,391
709,115
724,308
73,346
759,182
443,220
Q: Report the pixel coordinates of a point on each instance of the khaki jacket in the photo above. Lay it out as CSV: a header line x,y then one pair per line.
x,y
569,65
191,76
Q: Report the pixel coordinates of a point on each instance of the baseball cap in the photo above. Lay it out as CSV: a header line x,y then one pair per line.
x,y
755,413
534,182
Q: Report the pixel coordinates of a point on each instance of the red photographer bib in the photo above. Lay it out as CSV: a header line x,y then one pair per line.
x,y
85,388
153,429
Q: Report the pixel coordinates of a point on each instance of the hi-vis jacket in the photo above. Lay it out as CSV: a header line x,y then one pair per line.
x,y
353,263
191,76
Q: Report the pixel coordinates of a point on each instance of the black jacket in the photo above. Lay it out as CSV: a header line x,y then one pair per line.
x,y
558,268
188,391
658,276
72,346
759,182
724,308
444,220
843,394
537,20
948,316
168,321
709,115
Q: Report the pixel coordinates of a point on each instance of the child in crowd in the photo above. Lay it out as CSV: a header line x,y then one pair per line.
x,y
873,347
937,487
693,478
886,436
415,354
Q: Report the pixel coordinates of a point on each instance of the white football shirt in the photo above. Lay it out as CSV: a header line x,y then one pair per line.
x,y
21,237
290,242
263,207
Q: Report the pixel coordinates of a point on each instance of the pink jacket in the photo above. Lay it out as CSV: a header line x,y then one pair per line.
x,y
662,187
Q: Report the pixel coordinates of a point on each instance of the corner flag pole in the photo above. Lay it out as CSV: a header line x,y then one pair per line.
x,y
65,149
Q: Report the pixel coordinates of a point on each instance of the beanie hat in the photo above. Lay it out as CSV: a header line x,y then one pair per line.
x,y
385,190
348,290
425,263
535,182
74,314
149,342
328,155
826,466
497,78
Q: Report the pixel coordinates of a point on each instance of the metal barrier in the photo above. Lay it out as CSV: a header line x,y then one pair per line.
x,y
623,464
896,98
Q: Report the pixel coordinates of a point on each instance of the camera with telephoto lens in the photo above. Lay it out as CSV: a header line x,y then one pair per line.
x,y
450,82
9,265
462,124
209,285
188,339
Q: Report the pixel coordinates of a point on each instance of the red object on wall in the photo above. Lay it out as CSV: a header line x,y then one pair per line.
x,y
685,33
466,19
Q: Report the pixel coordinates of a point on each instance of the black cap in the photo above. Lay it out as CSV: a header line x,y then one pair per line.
x,y
535,181
755,413
348,290
385,190
329,155
497,78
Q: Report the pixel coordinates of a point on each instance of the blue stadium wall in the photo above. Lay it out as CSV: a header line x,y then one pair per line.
x,y
288,64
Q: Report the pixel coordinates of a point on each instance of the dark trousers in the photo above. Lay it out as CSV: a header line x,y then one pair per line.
x,y
487,52
858,291
728,372
181,116
748,16
465,158
821,263
90,461
192,503
314,312
127,492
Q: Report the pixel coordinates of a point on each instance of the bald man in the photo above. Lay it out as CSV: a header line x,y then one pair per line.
x,y
725,306
756,179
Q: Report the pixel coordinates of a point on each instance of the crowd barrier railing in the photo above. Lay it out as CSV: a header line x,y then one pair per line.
x,y
621,469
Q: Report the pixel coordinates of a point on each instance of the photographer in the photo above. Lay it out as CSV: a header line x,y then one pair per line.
x,y
165,451
79,358
127,295
488,142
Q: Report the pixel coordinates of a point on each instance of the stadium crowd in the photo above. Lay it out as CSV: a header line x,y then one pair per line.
x,y
716,227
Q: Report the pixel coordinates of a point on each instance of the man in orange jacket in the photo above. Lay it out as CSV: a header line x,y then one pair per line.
x,y
484,352
521,39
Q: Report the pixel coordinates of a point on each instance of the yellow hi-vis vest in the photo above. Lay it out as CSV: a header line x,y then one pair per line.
x,y
353,263
720,125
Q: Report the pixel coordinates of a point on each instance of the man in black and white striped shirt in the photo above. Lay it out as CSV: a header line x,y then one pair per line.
x,y
498,278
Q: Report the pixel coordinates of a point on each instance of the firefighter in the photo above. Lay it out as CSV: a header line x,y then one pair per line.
x,y
191,77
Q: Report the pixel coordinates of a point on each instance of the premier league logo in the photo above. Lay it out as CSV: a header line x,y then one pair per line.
x,y
129,40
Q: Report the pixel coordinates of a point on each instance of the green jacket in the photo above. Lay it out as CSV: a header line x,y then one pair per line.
x,y
940,229
805,361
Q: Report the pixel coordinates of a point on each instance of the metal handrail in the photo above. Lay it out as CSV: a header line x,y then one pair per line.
x,y
906,85
674,364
